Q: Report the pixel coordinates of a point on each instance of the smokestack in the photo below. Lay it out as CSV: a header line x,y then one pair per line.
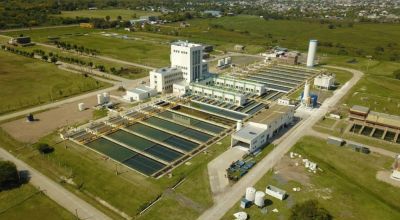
x,y
312,50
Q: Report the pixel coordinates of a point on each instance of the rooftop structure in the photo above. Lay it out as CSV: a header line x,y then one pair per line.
x,y
325,81
362,113
276,117
139,93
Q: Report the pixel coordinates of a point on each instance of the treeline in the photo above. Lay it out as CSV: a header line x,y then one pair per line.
x,y
17,51
77,48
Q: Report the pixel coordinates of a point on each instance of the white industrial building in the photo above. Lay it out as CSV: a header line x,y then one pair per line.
x,y
262,128
239,85
324,81
162,79
219,94
251,137
139,93
188,57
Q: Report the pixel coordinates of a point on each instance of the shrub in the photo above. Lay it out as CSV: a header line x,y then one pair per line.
x,y
44,148
9,176
309,210
396,74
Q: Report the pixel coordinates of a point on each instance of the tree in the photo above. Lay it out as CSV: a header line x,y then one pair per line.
x,y
44,148
396,74
53,59
108,18
9,176
119,18
309,210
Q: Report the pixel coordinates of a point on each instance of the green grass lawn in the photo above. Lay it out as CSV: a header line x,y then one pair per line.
x,y
139,49
126,14
258,33
378,89
129,72
31,82
26,202
346,187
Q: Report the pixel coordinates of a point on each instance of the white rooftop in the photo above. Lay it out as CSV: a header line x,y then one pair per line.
x,y
251,131
185,44
140,89
167,70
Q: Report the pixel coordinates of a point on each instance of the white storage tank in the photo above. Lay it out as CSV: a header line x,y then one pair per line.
x,y
312,50
100,99
81,106
106,96
221,62
239,125
228,60
250,194
259,199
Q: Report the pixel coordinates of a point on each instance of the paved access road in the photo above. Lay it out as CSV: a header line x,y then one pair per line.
x,y
56,192
232,195
39,28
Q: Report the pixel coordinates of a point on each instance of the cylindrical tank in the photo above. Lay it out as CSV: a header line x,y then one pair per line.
x,y
239,125
106,96
221,62
81,106
306,93
259,199
250,194
228,60
100,99
312,50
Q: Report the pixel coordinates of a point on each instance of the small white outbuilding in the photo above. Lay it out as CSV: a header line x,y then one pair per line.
x,y
139,93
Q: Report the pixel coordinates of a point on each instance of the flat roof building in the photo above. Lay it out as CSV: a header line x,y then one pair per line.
x,y
162,79
139,93
324,81
275,117
252,136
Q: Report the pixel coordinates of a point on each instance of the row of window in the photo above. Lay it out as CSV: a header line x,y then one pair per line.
x,y
237,87
178,51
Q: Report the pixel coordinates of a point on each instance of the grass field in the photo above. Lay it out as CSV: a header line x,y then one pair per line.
x,y
378,89
346,187
258,33
31,82
140,49
26,202
126,14
129,72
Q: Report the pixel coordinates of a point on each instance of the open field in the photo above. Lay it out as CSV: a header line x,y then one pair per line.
x,y
31,82
378,89
129,72
258,33
347,186
142,50
126,14
26,202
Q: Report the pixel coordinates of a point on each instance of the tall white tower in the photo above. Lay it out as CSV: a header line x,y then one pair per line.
x,y
312,50
306,100
188,57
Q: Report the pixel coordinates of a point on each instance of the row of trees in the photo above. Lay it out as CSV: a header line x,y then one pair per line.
x,y
17,51
78,48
